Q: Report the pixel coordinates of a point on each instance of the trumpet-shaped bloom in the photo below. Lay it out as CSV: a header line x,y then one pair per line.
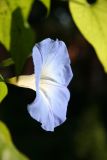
x,y
52,74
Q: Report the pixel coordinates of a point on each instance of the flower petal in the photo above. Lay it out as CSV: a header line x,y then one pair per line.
x,y
56,62
53,74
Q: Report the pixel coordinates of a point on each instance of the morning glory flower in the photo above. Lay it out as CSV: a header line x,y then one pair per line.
x,y
52,75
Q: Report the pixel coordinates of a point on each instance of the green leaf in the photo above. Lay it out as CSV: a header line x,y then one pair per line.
x,y
3,90
91,19
1,78
22,40
90,135
47,4
5,21
25,6
7,62
7,150
7,7
4,134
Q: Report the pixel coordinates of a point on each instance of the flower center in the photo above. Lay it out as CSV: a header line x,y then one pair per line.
x,y
91,1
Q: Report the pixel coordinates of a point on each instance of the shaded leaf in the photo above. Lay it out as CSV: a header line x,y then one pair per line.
x,y
7,149
1,78
90,135
22,38
91,19
7,62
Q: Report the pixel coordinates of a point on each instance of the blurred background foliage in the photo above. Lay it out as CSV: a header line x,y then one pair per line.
x,y
81,24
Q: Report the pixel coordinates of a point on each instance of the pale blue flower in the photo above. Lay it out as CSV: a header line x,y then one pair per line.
x,y
52,75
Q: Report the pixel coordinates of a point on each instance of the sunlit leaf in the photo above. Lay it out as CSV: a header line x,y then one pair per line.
x,y
4,133
6,9
47,4
91,18
5,23
3,90
25,6
7,150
